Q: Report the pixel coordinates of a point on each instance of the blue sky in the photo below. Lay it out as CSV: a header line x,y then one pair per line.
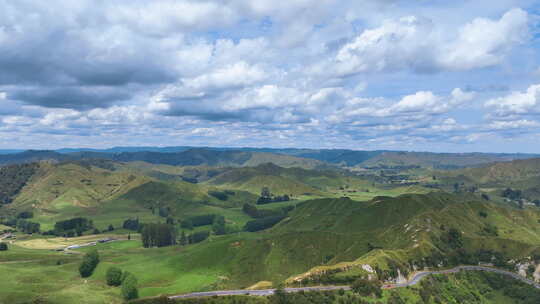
x,y
443,76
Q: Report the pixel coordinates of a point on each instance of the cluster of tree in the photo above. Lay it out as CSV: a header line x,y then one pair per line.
x,y
27,226
221,195
193,238
461,256
197,221
262,224
115,277
536,203
13,179
367,288
3,247
254,212
267,197
218,226
132,224
158,235
452,238
515,289
490,230
129,287
511,194
72,226
241,299
89,263
164,211
25,215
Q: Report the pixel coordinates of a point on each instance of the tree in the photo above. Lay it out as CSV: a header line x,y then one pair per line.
x,y
89,263
250,210
367,288
198,237
114,276
3,247
111,227
131,224
129,287
183,239
453,238
158,235
261,224
265,192
219,225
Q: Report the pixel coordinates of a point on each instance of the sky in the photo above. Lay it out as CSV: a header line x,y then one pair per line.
x,y
426,75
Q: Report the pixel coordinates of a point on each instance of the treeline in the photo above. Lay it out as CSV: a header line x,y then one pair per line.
x,y
221,195
267,197
193,238
264,218
13,179
264,223
158,235
255,212
75,226
89,263
198,220
22,223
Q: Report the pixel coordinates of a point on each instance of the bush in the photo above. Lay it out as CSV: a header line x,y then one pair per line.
x,y
131,224
222,196
219,225
114,276
262,224
89,263
198,237
367,288
158,235
25,215
78,224
129,287
3,247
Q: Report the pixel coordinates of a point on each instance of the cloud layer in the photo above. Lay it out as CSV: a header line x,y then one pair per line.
x,y
369,75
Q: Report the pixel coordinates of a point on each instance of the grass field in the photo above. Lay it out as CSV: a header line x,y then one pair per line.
x,y
332,227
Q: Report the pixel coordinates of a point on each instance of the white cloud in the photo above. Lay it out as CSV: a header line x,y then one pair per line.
x,y
233,75
516,124
517,103
419,44
484,42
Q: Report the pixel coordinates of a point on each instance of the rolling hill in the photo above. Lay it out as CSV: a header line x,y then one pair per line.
x,y
191,157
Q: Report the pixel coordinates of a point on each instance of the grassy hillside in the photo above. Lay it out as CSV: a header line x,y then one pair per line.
x,y
436,160
333,234
296,181
523,175
191,157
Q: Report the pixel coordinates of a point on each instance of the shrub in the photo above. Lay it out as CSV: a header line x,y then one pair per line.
x,y
3,247
263,223
129,288
89,263
114,276
367,288
198,237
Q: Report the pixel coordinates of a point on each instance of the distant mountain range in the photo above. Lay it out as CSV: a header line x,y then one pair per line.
x,y
239,157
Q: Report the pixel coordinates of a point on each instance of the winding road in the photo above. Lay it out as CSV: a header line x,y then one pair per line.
x,y
415,279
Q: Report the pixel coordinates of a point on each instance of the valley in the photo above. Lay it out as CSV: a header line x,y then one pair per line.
x,y
254,226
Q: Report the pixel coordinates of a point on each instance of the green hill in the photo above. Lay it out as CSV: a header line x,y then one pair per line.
x,y
522,175
295,181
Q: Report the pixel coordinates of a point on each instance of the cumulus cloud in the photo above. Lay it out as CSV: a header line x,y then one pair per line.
x,y
517,103
421,45
282,71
